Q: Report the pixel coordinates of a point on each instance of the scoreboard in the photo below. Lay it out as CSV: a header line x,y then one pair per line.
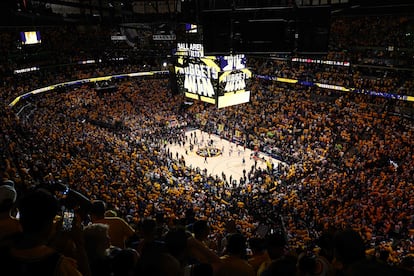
x,y
233,81
219,80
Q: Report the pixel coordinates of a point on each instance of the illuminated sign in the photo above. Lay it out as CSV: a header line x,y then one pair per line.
x,y
30,37
383,94
118,58
190,50
220,80
230,99
232,81
235,82
118,37
25,70
198,84
234,62
191,28
331,86
89,61
198,76
319,61
170,37
286,80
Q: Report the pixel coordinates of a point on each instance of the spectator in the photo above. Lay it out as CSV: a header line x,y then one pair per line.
x,y
198,270
102,259
259,253
234,262
348,158
124,262
407,265
349,249
276,249
119,230
372,267
285,266
325,254
97,244
201,231
9,225
149,242
30,254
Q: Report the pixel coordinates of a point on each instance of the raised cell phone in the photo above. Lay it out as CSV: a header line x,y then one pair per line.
x,y
68,216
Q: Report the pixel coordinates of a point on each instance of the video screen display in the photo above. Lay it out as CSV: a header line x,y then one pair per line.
x,y
230,99
194,50
191,28
233,81
220,80
233,62
32,37
197,78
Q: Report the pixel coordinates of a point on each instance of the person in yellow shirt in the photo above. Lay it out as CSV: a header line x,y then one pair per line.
x,y
234,262
259,253
119,230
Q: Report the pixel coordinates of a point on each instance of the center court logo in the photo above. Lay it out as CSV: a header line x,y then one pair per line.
x,y
209,152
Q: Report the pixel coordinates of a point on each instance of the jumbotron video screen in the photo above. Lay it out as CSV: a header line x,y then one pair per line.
x,y
219,80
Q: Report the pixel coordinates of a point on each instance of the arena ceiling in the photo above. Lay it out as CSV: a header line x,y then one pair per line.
x,y
38,12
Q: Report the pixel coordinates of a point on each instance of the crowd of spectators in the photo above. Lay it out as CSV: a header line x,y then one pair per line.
x,y
352,38
391,81
340,175
349,165
70,46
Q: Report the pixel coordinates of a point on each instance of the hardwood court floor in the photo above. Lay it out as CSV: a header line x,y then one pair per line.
x,y
229,162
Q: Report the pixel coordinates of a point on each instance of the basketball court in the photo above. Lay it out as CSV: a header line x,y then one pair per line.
x,y
218,155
